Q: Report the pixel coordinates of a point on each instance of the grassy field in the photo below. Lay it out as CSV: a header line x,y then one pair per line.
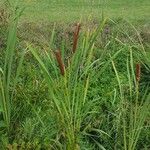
x,y
73,10
75,86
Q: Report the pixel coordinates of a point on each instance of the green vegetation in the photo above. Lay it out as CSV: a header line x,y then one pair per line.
x,y
73,10
81,86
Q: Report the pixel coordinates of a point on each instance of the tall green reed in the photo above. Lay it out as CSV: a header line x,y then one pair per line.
x,y
8,80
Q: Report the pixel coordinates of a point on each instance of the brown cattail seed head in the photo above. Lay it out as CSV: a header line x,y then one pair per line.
x,y
60,61
75,38
138,72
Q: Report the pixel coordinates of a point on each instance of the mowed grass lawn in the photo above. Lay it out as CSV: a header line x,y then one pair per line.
x,y
73,10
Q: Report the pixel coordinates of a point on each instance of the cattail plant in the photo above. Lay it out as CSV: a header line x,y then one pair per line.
x,y
133,108
70,99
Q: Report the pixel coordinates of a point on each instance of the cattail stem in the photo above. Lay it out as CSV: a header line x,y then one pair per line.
x,y
60,62
75,38
138,72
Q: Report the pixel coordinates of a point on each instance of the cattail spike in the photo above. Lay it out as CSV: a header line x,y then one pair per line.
x,y
138,72
60,62
75,38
